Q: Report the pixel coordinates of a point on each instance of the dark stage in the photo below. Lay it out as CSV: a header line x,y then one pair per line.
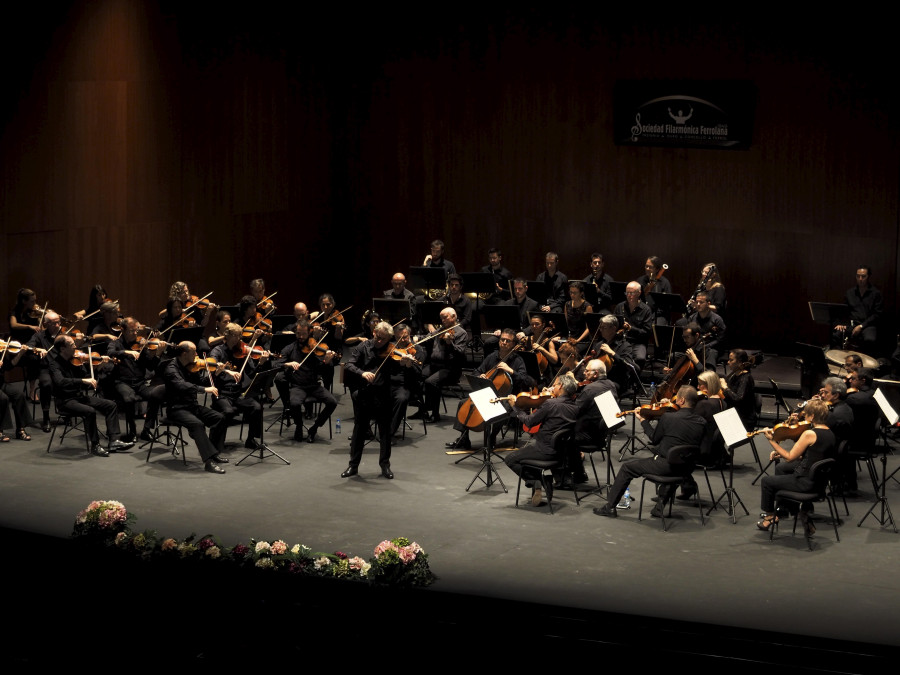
x,y
508,576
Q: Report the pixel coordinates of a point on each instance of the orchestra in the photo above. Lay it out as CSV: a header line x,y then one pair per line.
x,y
136,371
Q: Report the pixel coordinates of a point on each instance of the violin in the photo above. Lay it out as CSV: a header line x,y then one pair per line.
x,y
785,431
266,305
194,302
651,411
241,351
94,358
209,364
319,349
151,345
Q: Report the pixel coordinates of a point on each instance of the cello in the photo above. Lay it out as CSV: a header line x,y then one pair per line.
x,y
468,414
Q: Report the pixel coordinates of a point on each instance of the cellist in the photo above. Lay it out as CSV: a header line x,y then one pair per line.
x,y
507,371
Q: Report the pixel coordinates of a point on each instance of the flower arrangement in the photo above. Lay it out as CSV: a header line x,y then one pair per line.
x,y
396,561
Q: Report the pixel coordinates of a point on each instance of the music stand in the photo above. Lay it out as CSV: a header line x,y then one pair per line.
x,y
560,326
632,438
617,291
814,369
498,317
492,413
281,321
668,304
829,313
539,289
392,310
890,415
186,334
608,407
430,312
260,383
735,435
427,279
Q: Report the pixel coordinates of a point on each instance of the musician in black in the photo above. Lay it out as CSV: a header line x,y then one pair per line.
x,y
232,382
445,362
37,366
502,276
371,398
600,281
558,282
866,308
303,363
637,320
73,387
504,366
711,325
129,378
182,387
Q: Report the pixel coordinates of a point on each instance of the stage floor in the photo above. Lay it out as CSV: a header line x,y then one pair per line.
x,y
479,542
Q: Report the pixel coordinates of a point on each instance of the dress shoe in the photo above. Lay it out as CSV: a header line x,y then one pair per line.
x,y
657,511
99,451
45,426
687,494
218,459
579,477
146,435
119,445
349,471
605,510
212,467
433,418
311,436
130,438
460,443
386,472
536,496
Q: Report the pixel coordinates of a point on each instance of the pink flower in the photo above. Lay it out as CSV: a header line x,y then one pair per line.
x,y
386,545
169,544
279,547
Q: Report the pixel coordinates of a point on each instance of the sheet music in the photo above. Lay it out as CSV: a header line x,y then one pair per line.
x,y
886,408
608,407
730,426
482,400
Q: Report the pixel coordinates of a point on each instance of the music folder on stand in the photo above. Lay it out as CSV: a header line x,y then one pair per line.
x,y
492,413
260,383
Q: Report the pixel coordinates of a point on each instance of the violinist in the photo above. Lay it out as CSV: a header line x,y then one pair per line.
x,y
12,395
737,386
371,398
712,402
842,424
96,298
232,382
558,282
493,367
258,291
814,444
199,312
866,412
710,323
557,414
24,317
329,322
590,427
502,276
682,427
182,387
109,328
575,309
171,315
637,320
37,367
129,378
72,386
600,281
300,313
406,373
445,363
302,362
206,344
616,353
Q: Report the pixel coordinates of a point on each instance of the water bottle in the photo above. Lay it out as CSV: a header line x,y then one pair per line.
x,y
626,500
652,389
337,426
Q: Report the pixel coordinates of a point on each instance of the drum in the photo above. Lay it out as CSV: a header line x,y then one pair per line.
x,y
837,357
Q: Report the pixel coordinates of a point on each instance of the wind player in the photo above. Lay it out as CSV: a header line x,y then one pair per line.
x,y
506,360
600,281
232,383
71,386
182,387
637,320
557,281
502,276
371,398
711,324
436,258
301,382
653,280
129,378
524,304
575,309
446,357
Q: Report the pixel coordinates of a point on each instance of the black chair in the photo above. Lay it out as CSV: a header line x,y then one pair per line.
x,y
820,474
69,423
542,469
680,454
